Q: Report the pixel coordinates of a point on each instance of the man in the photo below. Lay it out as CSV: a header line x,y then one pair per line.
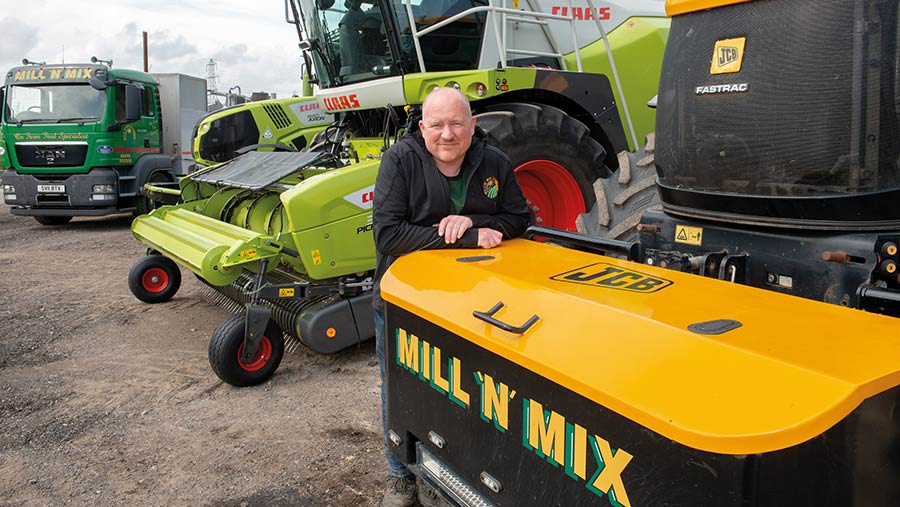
x,y
438,188
351,38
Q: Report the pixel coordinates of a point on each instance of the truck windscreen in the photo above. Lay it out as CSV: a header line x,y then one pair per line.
x,y
54,103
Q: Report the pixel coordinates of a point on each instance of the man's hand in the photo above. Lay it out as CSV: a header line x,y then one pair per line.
x,y
452,227
489,238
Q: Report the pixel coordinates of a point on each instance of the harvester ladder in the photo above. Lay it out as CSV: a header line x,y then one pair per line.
x,y
499,18
501,15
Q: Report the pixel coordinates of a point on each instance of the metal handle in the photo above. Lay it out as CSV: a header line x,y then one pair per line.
x,y
488,317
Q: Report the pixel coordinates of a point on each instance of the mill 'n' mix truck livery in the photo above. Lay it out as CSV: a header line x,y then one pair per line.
x,y
82,139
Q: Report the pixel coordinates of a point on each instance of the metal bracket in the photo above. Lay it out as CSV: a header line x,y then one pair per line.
x,y
257,317
586,243
254,329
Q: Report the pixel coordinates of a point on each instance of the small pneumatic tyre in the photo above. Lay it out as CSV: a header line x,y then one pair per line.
x,y
227,343
154,279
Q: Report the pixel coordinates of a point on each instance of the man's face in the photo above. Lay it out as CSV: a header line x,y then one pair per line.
x,y
447,128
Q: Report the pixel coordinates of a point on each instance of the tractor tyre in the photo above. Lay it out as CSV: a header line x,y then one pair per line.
x,y
52,220
226,345
145,204
622,198
154,279
554,156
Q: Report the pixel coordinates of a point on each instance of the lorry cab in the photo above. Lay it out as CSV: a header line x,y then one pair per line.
x,y
81,140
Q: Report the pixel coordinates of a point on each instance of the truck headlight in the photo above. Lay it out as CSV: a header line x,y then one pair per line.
x,y
2,151
102,189
9,189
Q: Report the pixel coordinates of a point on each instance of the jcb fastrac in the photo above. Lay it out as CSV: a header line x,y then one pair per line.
x,y
744,352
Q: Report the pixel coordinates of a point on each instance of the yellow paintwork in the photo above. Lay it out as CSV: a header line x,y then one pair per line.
x,y
794,369
676,7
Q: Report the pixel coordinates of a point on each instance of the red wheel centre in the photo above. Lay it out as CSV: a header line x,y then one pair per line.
x,y
263,353
554,196
155,280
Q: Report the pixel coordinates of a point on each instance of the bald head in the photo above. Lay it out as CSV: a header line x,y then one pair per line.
x,y
447,127
446,97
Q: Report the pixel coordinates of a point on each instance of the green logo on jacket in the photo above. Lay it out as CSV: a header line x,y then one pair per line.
x,y
491,187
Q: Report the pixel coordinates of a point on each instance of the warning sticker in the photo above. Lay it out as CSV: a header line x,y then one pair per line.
x,y
248,253
688,235
286,292
316,257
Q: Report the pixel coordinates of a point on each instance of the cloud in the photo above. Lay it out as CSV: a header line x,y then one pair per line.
x,y
167,47
232,54
18,39
252,45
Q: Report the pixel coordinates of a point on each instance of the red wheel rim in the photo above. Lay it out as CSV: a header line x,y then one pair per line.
x,y
263,354
553,195
155,280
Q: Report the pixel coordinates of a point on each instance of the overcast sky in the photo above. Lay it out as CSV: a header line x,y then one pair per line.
x,y
251,43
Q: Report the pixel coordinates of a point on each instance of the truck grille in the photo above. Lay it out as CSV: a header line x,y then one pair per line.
x,y
51,155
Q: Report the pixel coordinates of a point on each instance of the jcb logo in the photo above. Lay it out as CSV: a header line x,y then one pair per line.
x,y
727,56
606,275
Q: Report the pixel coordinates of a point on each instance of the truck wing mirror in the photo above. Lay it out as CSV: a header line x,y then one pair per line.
x,y
97,84
133,102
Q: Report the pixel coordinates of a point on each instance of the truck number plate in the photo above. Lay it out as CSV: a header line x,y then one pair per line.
x,y
52,189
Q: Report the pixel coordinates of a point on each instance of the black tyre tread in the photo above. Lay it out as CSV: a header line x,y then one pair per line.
x,y
527,131
149,261
623,198
224,344
52,220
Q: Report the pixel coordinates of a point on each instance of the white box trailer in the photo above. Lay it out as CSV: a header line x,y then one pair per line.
x,y
183,103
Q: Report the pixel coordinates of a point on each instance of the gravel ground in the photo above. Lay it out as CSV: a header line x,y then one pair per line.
x,y
108,401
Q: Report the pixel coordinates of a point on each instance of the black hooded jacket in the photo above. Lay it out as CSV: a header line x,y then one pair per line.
x,y
412,196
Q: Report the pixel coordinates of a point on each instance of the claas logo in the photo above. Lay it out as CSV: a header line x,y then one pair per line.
x,y
341,102
609,276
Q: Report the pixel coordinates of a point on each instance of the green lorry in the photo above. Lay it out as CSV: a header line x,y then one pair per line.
x,y
82,139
